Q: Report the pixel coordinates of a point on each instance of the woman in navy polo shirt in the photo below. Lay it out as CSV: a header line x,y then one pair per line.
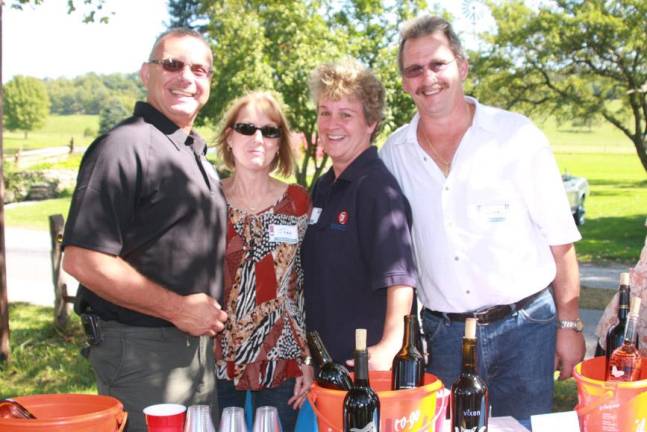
x,y
357,254
263,346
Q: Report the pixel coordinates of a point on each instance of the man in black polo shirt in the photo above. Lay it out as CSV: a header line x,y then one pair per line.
x,y
145,239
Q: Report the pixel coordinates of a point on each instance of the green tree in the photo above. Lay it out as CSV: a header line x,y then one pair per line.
x,y
113,111
26,104
579,60
279,43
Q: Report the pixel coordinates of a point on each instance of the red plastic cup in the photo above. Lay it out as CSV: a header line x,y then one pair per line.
x,y
165,417
442,399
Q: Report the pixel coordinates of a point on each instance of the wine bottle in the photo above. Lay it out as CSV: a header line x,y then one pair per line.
x,y
469,394
10,408
330,375
408,364
616,333
625,361
361,404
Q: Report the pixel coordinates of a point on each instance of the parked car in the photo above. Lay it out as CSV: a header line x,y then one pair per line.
x,y
577,189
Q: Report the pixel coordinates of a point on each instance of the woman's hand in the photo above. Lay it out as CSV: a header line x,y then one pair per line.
x,y
302,387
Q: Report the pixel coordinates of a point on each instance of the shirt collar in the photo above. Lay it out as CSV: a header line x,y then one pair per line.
x,y
483,118
178,137
356,167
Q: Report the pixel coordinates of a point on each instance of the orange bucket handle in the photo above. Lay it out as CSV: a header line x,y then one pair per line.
x,y
313,403
122,426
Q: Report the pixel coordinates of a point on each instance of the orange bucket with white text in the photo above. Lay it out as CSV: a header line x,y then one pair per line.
x,y
609,406
410,410
68,413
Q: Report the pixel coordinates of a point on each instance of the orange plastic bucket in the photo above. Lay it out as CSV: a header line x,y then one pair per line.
x,y
70,413
411,410
609,406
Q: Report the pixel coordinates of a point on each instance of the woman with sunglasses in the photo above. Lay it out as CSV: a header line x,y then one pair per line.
x,y
263,346
358,262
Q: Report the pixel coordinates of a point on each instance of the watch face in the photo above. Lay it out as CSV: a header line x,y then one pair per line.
x,y
579,325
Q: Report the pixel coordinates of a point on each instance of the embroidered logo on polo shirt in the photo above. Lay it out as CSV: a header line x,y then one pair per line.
x,y
342,217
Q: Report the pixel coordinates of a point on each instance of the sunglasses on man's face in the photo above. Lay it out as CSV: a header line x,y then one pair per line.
x,y
173,65
250,129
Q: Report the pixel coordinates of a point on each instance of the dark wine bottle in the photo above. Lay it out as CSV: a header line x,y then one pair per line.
x,y
361,404
10,408
330,375
616,333
469,394
408,364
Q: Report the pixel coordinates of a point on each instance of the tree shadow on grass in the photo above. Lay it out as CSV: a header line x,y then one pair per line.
x,y
617,239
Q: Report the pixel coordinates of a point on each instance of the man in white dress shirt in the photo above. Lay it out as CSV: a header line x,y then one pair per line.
x,y
492,229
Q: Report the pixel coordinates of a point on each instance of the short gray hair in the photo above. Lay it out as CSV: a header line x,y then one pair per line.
x,y
178,32
425,25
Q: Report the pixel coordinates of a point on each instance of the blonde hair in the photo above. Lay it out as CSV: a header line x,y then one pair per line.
x,y
269,105
348,77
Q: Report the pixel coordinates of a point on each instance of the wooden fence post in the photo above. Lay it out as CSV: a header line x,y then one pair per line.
x,y
62,300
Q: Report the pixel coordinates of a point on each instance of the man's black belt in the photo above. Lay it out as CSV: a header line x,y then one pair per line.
x,y
491,314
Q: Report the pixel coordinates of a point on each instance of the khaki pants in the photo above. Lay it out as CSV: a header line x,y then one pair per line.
x,y
143,366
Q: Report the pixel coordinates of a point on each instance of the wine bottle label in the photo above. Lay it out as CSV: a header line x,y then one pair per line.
x,y
368,428
617,373
474,429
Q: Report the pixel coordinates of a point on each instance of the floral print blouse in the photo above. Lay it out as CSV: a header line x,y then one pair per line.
x,y
264,341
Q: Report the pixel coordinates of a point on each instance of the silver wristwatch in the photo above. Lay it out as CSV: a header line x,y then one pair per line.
x,y
577,325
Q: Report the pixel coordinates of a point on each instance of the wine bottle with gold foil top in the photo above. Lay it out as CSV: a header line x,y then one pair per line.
x,y
361,404
616,334
625,362
408,368
469,394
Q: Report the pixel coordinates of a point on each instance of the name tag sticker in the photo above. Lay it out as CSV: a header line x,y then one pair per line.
x,y
314,215
283,233
494,213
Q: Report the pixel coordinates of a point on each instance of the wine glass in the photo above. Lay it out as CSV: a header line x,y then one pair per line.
x,y
198,419
267,420
232,420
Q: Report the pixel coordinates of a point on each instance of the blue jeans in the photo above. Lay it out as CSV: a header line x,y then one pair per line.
x,y
276,397
515,356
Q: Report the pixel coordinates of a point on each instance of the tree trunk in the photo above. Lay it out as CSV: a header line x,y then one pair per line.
x,y
4,302
641,149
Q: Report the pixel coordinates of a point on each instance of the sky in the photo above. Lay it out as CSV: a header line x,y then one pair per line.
x,y
44,41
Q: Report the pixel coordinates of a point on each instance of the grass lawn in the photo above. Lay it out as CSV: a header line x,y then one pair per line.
x,y
44,359
35,214
616,208
56,133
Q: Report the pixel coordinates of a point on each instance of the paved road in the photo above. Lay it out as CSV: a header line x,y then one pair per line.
x,y
29,275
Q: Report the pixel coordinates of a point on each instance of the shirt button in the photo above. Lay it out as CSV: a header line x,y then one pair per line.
x,y
446,188
467,292
456,258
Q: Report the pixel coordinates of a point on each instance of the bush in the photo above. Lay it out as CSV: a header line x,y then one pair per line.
x,y
18,184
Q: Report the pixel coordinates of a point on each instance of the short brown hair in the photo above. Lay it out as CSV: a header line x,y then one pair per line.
x,y
348,77
425,25
269,105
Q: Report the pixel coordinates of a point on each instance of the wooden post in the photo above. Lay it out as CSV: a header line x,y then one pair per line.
x,y
62,307
4,301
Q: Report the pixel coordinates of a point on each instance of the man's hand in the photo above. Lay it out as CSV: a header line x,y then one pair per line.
x,y
380,357
569,351
199,314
